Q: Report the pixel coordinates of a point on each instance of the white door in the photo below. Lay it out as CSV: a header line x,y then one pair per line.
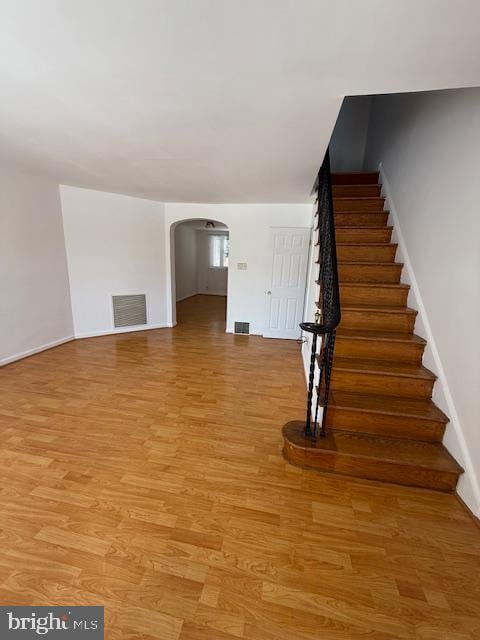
x,y
286,281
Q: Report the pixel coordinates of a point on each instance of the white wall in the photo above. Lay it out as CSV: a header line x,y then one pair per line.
x,y
428,145
248,226
186,258
35,308
349,138
115,245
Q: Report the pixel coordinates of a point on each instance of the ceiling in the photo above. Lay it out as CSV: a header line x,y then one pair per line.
x,y
210,100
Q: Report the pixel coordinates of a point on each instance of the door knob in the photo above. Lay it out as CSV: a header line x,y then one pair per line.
x,y
269,293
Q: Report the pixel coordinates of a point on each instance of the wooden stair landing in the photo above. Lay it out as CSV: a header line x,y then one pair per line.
x,y
381,422
403,461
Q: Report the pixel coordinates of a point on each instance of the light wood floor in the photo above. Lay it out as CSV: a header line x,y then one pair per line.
x,y
144,472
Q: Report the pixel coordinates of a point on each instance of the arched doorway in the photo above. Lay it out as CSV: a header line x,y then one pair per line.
x,y
199,254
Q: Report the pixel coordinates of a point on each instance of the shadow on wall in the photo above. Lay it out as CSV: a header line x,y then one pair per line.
x,y
199,256
349,137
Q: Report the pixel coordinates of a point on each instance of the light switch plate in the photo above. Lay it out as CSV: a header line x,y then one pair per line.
x,y
242,266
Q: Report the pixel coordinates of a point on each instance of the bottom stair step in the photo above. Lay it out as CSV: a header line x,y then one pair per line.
x,y
406,462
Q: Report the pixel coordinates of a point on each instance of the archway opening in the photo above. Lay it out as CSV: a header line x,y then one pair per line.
x,y
199,272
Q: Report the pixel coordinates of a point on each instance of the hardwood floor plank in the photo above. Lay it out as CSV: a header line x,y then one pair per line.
x,y
72,540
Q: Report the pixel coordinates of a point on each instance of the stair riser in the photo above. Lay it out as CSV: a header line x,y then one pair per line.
x,y
384,253
360,234
379,350
358,204
356,190
377,321
378,384
386,274
361,219
371,295
384,425
407,475
367,177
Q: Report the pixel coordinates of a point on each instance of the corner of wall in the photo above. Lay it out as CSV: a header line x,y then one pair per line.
x,y
67,265
454,440
36,256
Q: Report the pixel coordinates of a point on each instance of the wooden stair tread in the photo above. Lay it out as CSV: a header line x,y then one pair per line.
x,y
384,367
388,336
359,226
367,212
375,234
355,184
381,293
351,190
419,408
368,245
379,308
430,455
385,285
354,178
376,285
361,219
360,198
369,264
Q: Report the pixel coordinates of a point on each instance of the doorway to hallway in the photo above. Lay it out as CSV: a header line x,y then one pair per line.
x,y
201,257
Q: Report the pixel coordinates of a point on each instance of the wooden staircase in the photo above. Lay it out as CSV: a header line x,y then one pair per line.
x,y
381,423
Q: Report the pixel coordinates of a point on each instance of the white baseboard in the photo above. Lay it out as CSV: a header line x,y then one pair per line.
x,y
454,440
32,352
80,336
147,327
252,333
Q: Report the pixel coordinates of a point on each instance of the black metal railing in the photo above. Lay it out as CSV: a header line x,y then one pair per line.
x,y
328,315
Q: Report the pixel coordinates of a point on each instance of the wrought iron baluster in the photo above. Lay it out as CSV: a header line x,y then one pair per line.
x,y
328,316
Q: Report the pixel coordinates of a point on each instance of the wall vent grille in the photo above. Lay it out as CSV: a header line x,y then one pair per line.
x,y
129,311
242,327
